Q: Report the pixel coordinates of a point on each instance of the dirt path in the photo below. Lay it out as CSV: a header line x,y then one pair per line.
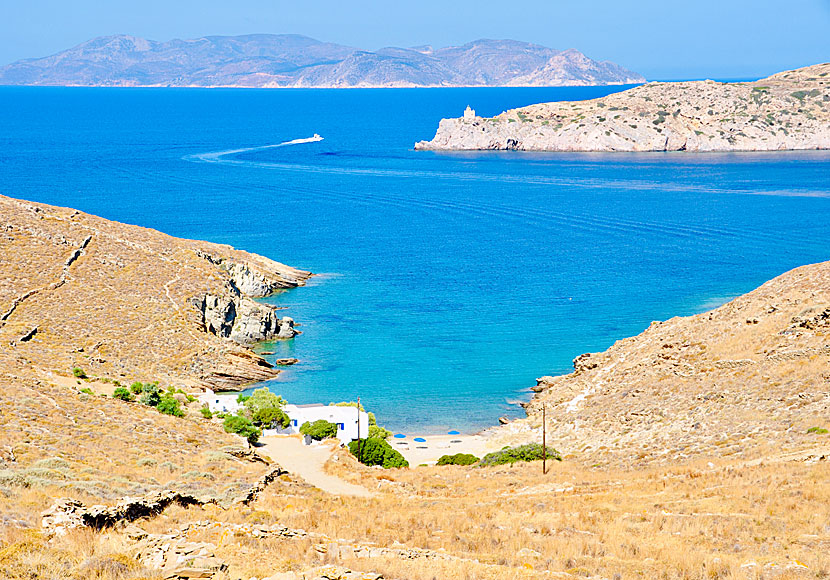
x,y
307,462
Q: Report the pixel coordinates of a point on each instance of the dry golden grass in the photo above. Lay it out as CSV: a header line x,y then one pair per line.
x,y
697,521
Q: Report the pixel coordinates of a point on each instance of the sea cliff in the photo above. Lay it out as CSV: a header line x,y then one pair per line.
x,y
131,303
787,111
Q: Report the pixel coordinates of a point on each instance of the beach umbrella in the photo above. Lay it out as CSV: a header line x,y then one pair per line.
x,y
400,436
420,440
454,433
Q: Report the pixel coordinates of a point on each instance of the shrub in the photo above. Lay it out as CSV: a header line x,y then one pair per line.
x,y
377,452
319,430
136,388
78,373
271,417
151,395
123,394
206,413
87,390
243,427
817,430
169,406
528,452
457,459
376,432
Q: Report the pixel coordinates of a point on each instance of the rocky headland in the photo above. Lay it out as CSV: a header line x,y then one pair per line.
x,y
787,111
130,303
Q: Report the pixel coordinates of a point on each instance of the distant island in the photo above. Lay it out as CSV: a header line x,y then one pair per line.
x,y
288,60
787,111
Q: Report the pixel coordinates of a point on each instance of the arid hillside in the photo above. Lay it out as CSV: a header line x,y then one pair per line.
x,y
748,379
130,303
687,451
789,110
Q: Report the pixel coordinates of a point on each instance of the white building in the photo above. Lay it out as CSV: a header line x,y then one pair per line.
x,y
345,418
220,403
469,114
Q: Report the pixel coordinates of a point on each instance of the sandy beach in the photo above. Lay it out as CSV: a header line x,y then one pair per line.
x,y
428,452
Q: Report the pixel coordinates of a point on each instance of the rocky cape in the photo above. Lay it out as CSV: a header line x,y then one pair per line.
x,y
131,303
274,61
787,111
730,382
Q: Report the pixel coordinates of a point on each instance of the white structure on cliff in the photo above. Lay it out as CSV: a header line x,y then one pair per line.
x,y
469,114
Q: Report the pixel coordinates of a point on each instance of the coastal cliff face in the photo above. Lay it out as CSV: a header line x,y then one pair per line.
x,y
750,377
789,110
130,303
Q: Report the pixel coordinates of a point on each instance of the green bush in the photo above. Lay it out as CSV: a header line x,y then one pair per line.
x,y
319,430
79,373
377,432
457,459
528,452
271,417
87,391
123,394
377,452
817,430
169,405
206,413
151,395
242,426
136,388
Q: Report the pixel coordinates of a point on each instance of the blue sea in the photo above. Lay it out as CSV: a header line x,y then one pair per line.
x,y
446,282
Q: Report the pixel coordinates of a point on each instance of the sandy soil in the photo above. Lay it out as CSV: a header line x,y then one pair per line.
x,y
307,462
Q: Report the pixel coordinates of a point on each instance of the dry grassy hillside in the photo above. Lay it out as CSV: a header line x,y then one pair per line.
x,y
129,303
687,452
749,378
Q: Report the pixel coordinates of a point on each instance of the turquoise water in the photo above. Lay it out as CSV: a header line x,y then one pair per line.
x,y
447,282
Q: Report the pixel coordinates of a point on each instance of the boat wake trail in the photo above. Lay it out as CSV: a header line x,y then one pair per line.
x,y
219,156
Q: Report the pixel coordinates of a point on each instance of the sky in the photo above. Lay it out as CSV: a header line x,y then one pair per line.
x,y
722,39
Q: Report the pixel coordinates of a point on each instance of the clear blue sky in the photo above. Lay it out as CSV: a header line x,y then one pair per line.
x,y
660,39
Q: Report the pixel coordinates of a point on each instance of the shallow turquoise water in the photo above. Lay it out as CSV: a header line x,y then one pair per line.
x,y
448,282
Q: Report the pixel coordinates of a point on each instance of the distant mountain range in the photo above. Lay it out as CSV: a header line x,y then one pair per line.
x,y
288,60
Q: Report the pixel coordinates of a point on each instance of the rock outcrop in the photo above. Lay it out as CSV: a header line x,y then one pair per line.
x,y
787,111
242,320
67,514
130,303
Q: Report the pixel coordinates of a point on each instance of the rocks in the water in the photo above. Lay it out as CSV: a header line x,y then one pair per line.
x,y
284,362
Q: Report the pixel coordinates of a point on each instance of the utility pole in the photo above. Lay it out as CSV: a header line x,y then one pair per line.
x,y
359,454
544,443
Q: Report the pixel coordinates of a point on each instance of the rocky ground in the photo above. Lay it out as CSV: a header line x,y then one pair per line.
x,y
129,303
789,110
